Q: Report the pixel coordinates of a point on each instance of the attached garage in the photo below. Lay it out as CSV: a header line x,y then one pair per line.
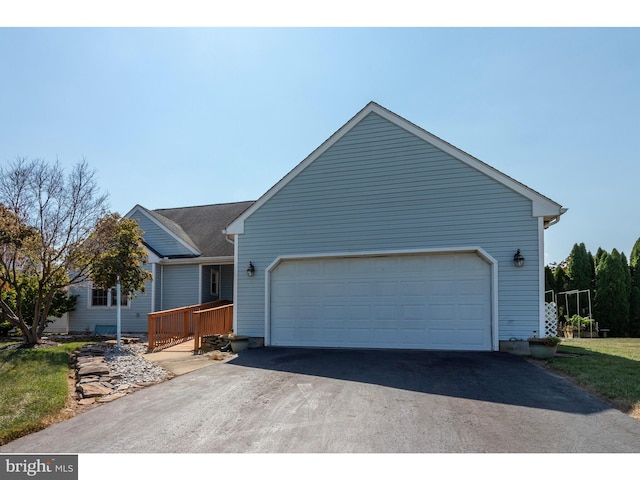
x,y
387,236
412,301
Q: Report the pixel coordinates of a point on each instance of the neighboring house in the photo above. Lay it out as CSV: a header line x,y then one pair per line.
x,y
191,261
387,236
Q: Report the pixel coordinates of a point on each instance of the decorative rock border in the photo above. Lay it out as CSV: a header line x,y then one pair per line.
x,y
97,381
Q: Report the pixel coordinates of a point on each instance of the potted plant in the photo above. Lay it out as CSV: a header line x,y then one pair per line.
x,y
237,342
578,326
543,347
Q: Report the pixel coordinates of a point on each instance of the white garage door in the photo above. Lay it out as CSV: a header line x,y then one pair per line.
x,y
435,301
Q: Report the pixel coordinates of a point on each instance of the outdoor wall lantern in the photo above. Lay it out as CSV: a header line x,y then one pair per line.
x,y
251,270
518,259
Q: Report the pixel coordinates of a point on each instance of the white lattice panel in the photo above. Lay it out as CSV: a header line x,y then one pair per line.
x,y
550,319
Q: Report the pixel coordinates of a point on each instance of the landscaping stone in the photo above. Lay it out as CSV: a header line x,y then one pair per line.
x,y
104,373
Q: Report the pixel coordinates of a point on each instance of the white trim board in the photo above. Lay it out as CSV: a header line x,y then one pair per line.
x,y
541,205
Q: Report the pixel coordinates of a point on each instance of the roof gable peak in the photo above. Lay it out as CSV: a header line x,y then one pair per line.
x,y
542,206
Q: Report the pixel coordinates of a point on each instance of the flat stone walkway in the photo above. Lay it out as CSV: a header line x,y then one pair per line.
x,y
179,359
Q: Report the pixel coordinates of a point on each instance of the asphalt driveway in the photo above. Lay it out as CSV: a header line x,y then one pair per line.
x,y
276,400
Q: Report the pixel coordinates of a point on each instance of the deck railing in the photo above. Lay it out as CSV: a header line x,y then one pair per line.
x,y
169,327
212,321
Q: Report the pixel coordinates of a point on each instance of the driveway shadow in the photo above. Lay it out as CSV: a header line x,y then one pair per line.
x,y
485,376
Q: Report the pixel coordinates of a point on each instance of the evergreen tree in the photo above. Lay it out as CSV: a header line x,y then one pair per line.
x,y
580,278
549,280
562,285
598,256
613,288
634,299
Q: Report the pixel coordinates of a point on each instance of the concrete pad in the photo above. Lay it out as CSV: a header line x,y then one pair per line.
x,y
180,363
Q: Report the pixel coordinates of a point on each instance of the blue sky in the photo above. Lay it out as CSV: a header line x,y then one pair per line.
x,y
174,117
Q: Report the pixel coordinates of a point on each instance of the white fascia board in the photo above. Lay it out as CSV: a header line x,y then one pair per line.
x,y
146,213
129,214
237,226
541,205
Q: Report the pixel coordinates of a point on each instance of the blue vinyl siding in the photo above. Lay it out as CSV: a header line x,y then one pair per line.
x,y
133,317
380,187
180,286
226,277
162,242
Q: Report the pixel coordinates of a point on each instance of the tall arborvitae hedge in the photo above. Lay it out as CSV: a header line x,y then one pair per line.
x,y
613,289
562,285
634,299
581,277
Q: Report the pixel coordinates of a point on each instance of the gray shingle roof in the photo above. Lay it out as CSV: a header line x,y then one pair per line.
x,y
202,226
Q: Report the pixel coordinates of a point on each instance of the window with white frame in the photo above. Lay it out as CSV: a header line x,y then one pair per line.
x,y
215,282
108,298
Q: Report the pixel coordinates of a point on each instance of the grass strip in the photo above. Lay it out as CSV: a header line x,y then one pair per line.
x,y
33,386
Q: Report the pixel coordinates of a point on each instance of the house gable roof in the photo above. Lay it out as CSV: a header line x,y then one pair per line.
x,y
197,228
541,205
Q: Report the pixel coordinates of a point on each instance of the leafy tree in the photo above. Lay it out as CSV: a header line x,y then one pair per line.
x,y
122,257
634,300
60,304
613,288
48,237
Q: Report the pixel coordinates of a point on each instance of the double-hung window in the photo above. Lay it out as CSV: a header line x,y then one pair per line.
x,y
108,298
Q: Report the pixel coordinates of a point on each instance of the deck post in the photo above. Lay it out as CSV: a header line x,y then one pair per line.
x,y
151,329
196,332
185,329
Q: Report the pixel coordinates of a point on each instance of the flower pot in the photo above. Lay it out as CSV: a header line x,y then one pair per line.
x,y
239,344
542,351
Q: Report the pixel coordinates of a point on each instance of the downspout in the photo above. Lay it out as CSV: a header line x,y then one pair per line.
x,y
541,279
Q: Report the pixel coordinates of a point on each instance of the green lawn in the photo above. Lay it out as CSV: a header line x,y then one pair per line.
x,y
33,387
609,367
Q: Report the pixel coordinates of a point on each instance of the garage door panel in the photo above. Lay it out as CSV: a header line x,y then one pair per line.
x,y
442,288
417,301
386,289
357,269
384,314
416,288
468,288
477,312
442,313
337,290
